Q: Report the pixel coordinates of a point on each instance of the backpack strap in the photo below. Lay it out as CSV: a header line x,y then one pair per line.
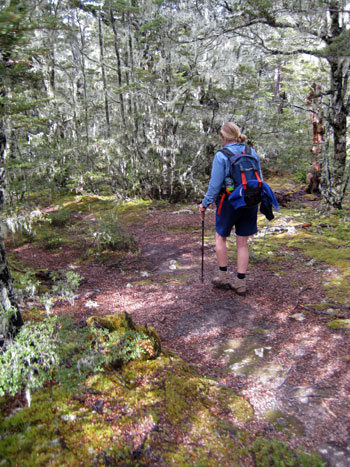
x,y
247,152
226,152
258,178
223,196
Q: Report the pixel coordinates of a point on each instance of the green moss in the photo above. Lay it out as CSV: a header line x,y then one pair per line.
x,y
337,290
118,321
239,408
258,331
184,396
275,453
339,324
59,218
146,282
283,422
101,382
174,278
319,306
165,393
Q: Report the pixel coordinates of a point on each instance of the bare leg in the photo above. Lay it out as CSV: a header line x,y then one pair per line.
x,y
221,250
242,254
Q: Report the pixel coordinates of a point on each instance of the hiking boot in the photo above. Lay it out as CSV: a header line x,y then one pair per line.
x,y
222,281
240,286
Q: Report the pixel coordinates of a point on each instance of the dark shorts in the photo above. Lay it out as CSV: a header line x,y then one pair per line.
x,y
244,220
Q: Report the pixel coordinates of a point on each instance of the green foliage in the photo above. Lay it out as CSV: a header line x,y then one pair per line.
x,y
27,361
75,352
59,218
12,26
300,176
47,300
108,235
56,349
120,347
66,284
28,284
120,340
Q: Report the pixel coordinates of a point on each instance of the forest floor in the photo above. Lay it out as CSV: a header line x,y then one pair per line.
x,y
272,347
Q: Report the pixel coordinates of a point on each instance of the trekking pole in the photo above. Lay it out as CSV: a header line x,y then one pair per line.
x,y
202,276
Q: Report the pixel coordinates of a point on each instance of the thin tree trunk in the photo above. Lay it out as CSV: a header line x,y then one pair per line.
x,y
86,111
279,95
314,100
119,68
104,81
132,76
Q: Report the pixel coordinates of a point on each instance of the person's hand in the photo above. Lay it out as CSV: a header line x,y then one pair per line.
x,y
202,210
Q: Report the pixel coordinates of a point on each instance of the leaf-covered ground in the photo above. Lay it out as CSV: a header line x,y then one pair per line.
x,y
283,349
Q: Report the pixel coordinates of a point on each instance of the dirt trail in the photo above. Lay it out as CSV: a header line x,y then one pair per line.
x,y
291,367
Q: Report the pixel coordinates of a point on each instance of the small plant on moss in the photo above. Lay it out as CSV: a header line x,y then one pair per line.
x,y
89,349
47,300
117,348
53,242
28,284
66,283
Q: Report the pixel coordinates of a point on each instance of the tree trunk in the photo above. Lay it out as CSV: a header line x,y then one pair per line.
x,y
335,180
9,322
119,67
83,70
280,96
103,71
314,101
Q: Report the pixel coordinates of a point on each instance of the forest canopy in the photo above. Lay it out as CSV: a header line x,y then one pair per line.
x,y
126,97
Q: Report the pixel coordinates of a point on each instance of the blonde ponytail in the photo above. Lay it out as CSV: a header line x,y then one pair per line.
x,y
231,132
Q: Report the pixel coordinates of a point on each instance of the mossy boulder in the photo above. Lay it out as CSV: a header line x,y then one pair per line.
x,y
119,321
120,340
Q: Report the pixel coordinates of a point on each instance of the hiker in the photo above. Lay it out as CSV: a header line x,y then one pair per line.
x,y
244,218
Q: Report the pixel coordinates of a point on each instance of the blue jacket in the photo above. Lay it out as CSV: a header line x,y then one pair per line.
x,y
220,170
268,198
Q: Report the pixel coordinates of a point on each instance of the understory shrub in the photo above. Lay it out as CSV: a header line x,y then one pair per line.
x,y
107,235
27,360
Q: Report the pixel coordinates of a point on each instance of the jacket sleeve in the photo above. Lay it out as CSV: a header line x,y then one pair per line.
x,y
218,174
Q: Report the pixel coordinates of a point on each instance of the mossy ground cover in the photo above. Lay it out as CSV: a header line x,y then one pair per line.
x,y
158,411
319,237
